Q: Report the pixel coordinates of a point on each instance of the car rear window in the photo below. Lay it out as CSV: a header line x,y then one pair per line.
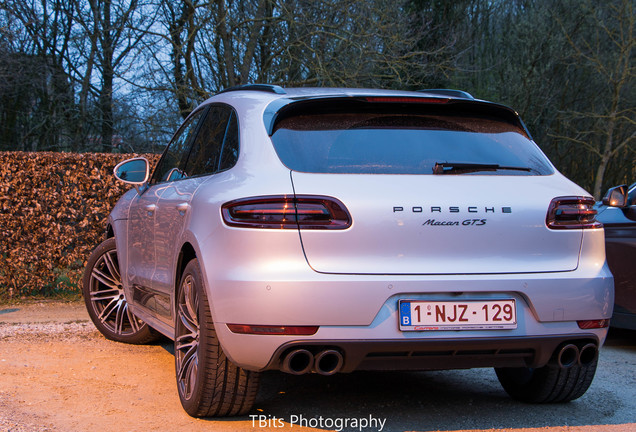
x,y
385,142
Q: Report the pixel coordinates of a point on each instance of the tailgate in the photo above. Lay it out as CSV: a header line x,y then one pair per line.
x,y
423,224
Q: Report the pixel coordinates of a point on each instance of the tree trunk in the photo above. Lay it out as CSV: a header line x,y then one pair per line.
x,y
227,43
106,94
605,157
252,42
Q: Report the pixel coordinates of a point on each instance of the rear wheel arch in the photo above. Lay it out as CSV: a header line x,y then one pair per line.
x,y
186,254
110,232
208,383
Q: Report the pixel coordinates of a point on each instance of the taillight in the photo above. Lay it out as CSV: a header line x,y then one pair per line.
x,y
285,212
572,213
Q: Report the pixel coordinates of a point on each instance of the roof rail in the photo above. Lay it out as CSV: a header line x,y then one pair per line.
x,y
449,92
256,87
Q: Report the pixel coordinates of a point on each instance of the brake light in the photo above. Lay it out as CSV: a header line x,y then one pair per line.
x,y
572,213
406,99
286,212
273,330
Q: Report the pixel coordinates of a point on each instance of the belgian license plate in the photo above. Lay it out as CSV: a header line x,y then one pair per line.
x,y
457,315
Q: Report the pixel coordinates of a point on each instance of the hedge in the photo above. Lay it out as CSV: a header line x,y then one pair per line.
x,y
53,210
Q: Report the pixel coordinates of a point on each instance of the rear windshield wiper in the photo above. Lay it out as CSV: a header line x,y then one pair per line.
x,y
459,168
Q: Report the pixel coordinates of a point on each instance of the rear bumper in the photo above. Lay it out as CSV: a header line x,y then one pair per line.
x,y
381,345
355,311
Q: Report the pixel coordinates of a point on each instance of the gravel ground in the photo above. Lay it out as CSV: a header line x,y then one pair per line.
x,y
35,332
57,373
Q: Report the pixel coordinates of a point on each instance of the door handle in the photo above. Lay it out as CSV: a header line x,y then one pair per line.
x,y
183,208
150,208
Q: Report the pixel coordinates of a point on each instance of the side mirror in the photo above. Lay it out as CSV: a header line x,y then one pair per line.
x,y
133,171
175,174
616,196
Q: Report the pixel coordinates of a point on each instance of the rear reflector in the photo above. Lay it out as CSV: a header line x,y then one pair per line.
x,y
285,212
273,330
593,324
572,213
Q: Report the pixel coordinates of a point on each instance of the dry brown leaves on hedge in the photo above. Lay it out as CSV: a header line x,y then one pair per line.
x,y
53,211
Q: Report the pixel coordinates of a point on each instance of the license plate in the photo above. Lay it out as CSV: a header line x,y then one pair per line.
x,y
457,315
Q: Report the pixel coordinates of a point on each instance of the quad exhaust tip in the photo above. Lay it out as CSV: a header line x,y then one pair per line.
x,y
301,361
298,362
588,354
328,362
570,354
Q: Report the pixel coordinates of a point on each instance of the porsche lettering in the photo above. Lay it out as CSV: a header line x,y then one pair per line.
x,y
453,209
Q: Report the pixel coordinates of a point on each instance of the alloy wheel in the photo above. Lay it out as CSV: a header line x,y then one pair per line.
x,y
187,337
108,299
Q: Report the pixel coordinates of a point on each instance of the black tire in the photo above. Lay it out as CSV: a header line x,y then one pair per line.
x,y
209,384
548,384
105,300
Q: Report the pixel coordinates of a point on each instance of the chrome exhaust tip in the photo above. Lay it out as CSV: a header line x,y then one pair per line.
x,y
298,362
328,362
568,356
588,354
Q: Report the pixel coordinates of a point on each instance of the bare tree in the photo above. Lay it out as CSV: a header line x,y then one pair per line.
x,y
566,65
37,95
94,68
113,30
606,52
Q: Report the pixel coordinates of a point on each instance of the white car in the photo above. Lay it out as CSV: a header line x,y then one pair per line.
x,y
334,230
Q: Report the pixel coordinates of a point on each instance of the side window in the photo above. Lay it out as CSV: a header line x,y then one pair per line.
x,y
172,164
217,137
230,152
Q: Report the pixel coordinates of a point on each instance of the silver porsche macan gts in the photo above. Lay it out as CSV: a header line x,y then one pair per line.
x,y
334,230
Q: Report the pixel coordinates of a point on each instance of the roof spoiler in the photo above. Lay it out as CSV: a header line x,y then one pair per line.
x,y
270,88
460,94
